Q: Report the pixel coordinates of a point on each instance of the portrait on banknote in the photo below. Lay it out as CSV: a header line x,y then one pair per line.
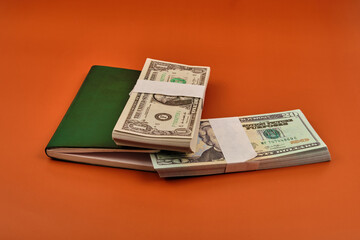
x,y
207,135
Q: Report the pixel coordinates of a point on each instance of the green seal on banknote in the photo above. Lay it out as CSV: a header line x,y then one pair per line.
x,y
178,80
271,133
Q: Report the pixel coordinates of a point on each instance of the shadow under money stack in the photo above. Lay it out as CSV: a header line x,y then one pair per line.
x,y
164,108
279,139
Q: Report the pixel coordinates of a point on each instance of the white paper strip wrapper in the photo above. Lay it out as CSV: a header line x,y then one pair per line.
x,y
234,144
169,88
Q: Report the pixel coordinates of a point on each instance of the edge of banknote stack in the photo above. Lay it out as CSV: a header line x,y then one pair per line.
x,y
164,120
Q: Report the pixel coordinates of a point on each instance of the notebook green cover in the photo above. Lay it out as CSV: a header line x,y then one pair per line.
x,y
88,123
94,111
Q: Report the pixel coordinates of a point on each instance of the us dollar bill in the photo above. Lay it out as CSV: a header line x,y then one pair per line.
x,y
161,116
272,136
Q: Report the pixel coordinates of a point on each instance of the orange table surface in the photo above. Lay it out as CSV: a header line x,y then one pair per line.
x,y
265,56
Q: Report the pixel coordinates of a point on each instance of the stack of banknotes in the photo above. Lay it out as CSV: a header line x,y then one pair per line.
x,y
191,146
279,139
161,121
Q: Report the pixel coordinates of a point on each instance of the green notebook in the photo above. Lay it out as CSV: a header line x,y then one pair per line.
x,y
84,134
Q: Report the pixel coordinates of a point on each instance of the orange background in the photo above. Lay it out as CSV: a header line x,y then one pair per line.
x,y
265,56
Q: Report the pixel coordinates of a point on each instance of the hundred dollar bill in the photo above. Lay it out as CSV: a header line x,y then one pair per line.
x,y
161,121
279,139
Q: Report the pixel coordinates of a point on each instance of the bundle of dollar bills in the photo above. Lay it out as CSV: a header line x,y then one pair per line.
x,y
160,121
279,139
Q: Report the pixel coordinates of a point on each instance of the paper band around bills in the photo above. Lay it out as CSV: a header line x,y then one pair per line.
x,y
169,88
234,144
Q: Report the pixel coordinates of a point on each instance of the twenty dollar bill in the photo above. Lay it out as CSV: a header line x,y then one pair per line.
x,y
279,139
